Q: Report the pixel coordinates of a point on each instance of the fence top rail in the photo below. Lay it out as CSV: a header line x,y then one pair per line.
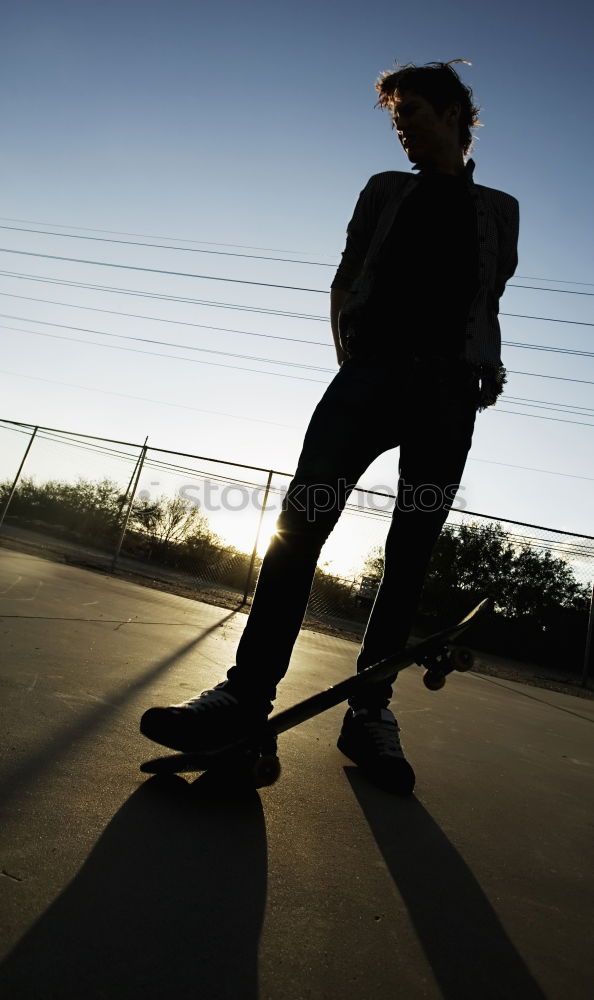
x,y
276,472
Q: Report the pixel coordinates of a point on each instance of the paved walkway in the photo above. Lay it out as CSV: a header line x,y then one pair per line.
x,y
116,886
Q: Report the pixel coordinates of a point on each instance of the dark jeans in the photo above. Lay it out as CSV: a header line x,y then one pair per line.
x,y
428,409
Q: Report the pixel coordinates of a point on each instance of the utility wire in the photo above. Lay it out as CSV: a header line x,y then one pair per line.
x,y
161,343
226,253
173,322
576,409
290,314
538,416
143,236
548,319
557,378
212,277
547,402
173,357
235,416
243,246
543,347
166,246
528,468
219,305
146,399
24,319
238,368
202,473
159,270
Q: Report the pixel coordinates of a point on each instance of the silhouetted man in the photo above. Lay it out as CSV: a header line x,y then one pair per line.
x,y
414,307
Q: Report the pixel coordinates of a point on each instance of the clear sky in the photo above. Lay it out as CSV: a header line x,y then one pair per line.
x,y
250,129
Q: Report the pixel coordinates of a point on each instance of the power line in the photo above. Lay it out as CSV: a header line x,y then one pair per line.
x,y
242,246
158,270
553,350
164,246
186,469
548,319
173,357
528,468
547,402
557,378
233,281
239,368
143,236
63,438
146,399
15,424
559,281
138,447
538,416
574,411
559,291
544,403
159,319
223,253
163,343
291,314
24,319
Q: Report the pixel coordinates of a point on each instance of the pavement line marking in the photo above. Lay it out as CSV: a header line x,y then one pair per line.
x,y
78,698
18,580
33,596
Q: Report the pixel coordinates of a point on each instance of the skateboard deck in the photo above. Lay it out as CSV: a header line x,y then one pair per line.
x,y
254,755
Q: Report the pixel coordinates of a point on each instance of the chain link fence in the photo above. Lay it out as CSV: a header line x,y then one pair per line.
x,y
201,526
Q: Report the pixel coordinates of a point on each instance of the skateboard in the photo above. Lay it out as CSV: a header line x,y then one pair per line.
x,y
254,758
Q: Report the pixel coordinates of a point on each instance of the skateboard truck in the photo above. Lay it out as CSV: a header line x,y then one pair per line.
x,y
263,762
440,664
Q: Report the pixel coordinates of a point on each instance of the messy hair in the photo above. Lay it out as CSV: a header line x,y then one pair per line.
x,y
438,83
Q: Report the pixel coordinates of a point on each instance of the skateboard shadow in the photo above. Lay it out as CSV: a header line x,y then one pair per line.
x,y
467,947
169,903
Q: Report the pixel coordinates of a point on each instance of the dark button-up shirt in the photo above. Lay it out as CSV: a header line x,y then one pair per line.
x,y
375,220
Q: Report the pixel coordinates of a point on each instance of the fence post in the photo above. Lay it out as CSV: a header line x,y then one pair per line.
x,y
131,501
588,653
17,477
255,549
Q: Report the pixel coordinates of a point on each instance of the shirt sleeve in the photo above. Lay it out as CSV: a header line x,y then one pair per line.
x,y
359,233
508,260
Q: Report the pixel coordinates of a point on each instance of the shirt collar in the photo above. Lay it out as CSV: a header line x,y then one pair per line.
x,y
466,174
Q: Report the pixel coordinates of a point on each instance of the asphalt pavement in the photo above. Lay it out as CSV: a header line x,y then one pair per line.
x,y
119,886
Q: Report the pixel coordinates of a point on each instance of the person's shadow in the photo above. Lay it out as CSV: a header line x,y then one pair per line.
x,y
169,903
465,943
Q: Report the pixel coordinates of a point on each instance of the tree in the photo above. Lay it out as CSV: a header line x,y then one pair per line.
x,y
476,560
81,507
169,519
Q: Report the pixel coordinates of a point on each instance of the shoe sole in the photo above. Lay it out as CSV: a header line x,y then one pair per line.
x,y
173,732
400,781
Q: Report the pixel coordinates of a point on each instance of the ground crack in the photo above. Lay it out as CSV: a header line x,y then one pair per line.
x,y
15,878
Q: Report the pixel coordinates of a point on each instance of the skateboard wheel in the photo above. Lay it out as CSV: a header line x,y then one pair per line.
x,y
433,681
266,770
462,659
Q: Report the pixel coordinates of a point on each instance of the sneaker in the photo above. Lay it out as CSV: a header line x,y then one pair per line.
x,y
213,720
371,739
